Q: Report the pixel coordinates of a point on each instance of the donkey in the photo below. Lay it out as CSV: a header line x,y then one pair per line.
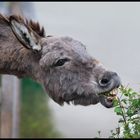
x,y
61,64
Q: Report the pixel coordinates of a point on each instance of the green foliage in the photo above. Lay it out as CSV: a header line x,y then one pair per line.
x,y
127,107
36,118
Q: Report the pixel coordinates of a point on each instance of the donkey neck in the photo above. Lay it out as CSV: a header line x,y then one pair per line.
x,y
16,59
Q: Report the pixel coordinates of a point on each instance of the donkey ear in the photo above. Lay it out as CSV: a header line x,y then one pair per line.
x,y
25,34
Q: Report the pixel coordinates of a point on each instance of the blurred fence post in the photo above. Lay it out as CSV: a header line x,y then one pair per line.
x,y
10,85
9,107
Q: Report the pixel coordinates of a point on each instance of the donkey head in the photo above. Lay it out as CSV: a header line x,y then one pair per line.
x,y
67,71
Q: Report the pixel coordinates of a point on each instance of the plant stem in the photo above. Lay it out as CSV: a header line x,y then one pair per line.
x,y
123,111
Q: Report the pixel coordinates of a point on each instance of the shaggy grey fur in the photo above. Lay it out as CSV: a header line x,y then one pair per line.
x,y
61,64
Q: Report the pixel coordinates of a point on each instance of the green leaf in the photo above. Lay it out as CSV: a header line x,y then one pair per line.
x,y
115,102
130,112
118,110
136,102
126,94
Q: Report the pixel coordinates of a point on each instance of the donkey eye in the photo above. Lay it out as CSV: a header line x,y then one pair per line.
x,y
61,62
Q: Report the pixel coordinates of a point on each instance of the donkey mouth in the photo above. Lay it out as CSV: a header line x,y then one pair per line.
x,y
107,98
110,93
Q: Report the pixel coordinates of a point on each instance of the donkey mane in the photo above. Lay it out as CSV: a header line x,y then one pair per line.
x,y
35,26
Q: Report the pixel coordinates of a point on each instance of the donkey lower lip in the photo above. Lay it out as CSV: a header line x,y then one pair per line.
x,y
106,98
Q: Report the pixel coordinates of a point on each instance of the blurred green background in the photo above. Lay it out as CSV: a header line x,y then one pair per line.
x,y
36,120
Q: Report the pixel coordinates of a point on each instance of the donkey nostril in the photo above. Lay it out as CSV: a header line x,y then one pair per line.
x,y
105,79
104,82
109,78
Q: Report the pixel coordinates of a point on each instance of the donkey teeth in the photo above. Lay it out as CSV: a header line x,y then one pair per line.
x,y
111,94
114,92
112,98
116,98
109,98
